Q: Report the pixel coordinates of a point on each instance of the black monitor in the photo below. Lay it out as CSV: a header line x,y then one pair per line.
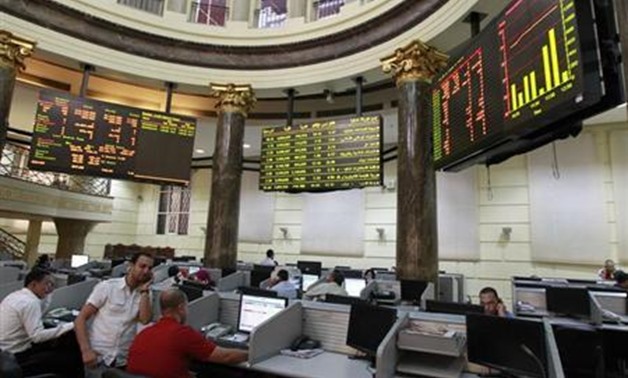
x,y
158,261
116,262
75,278
580,349
368,325
411,290
342,268
342,299
254,310
568,301
191,292
249,290
259,274
352,273
310,267
514,346
227,272
614,342
453,308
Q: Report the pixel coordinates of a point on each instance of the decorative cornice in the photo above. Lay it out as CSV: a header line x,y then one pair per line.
x,y
414,62
232,98
14,49
69,21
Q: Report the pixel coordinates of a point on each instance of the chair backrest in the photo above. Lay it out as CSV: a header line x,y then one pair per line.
x,y
9,367
117,373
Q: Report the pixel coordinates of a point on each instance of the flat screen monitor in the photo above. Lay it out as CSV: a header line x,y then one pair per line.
x,y
310,267
254,310
193,269
580,349
191,292
227,272
412,290
614,343
342,299
453,308
308,280
249,290
568,301
259,275
354,286
368,325
514,346
78,260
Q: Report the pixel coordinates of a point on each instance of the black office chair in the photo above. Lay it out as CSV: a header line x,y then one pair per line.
x,y
117,373
9,368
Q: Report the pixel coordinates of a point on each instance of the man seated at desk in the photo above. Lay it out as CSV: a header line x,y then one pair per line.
x,y
493,305
332,285
621,279
164,350
37,350
282,285
607,273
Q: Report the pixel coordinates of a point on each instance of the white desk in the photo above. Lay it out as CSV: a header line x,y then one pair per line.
x,y
324,365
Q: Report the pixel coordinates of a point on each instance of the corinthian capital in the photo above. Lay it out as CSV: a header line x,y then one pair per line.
x,y
233,98
414,62
14,49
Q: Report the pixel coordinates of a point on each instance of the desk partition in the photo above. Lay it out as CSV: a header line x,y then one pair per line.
x,y
8,274
73,296
8,288
276,333
203,311
232,281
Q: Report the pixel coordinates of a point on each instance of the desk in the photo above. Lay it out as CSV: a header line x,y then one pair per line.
x,y
324,365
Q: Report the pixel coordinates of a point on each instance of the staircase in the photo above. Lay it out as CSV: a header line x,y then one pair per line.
x,y
11,248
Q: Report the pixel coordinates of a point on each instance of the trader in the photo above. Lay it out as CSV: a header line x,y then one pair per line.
x,y
493,305
331,285
282,285
270,259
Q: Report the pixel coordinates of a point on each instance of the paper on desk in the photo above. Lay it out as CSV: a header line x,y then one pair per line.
x,y
304,353
429,329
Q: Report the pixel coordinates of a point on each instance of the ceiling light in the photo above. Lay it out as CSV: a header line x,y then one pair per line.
x,y
199,151
246,145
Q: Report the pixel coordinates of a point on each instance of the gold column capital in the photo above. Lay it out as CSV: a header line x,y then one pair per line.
x,y
233,98
14,49
414,62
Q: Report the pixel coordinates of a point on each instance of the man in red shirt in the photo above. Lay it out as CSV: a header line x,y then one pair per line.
x,y
164,350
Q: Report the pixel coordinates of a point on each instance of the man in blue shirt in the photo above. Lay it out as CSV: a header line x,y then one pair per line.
x,y
282,285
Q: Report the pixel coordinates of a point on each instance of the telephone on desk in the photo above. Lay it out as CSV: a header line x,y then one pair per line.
x,y
215,331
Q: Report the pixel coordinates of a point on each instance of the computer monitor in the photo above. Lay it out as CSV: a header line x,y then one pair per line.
x,y
308,280
343,299
254,310
580,348
568,301
227,272
614,341
78,260
191,292
514,346
116,262
368,325
310,267
412,290
453,308
249,290
354,286
259,274
193,269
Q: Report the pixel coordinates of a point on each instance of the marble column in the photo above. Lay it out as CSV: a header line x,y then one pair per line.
x,y
221,240
413,67
71,236
13,50
33,235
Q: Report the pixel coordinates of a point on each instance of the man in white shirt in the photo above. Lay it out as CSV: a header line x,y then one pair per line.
x,y
332,285
115,306
282,285
270,259
22,331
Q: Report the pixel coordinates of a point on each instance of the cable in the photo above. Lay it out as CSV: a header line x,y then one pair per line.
x,y
530,353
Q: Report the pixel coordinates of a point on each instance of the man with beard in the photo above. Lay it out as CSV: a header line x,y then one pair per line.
x,y
115,307
164,350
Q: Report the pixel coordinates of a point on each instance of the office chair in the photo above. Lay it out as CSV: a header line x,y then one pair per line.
x,y
9,368
117,373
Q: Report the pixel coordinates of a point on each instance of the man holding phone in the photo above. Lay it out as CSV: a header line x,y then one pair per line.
x,y
493,305
114,306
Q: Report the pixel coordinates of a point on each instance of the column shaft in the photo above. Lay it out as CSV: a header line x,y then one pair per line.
x,y
33,235
7,83
71,236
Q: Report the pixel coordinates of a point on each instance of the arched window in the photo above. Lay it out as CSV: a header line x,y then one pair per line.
x,y
209,12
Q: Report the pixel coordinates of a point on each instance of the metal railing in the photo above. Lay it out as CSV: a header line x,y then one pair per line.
x,y
151,6
11,245
267,18
208,14
327,8
14,164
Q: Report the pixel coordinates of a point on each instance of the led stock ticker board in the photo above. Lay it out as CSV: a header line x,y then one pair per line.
x,y
520,77
76,135
322,156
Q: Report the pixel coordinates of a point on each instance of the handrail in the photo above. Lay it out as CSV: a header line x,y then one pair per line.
x,y
11,244
13,163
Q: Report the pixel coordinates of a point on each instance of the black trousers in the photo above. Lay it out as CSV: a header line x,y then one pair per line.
x,y
60,356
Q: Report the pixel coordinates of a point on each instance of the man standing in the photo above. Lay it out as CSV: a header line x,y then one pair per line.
x,y
115,305
37,350
270,259
165,349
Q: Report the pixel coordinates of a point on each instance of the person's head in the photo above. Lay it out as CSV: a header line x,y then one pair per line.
x,y
174,303
609,266
173,271
270,254
140,269
369,275
489,299
201,276
40,282
621,278
336,276
43,260
282,275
